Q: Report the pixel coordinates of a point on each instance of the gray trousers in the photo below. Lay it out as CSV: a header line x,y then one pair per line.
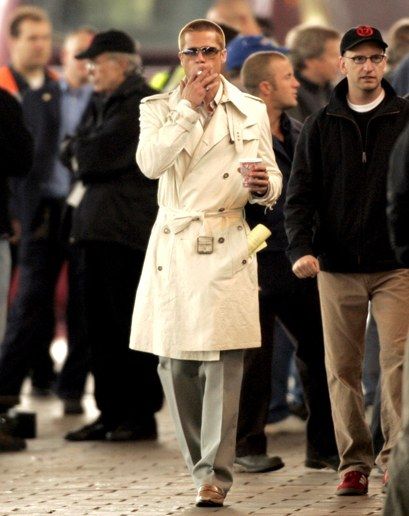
x,y
5,267
203,399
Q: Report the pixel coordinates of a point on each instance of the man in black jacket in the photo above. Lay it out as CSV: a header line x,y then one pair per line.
x,y
269,75
114,209
336,211
16,149
397,501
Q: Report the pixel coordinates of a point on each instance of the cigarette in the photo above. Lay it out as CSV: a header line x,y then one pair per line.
x,y
199,72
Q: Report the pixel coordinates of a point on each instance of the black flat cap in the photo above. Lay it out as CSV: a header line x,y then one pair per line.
x,y
361,34
109,41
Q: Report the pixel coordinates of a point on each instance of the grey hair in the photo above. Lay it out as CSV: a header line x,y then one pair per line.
x,y
134,62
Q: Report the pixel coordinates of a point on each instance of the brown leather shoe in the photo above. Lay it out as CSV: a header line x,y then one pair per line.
x,y
210,496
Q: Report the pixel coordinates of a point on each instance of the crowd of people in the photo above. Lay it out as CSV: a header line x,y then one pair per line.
x,y
134,197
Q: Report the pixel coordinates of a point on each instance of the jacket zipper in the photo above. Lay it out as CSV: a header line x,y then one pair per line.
x,y
364,161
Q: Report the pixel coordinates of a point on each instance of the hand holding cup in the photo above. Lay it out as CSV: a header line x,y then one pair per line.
x,y
255,176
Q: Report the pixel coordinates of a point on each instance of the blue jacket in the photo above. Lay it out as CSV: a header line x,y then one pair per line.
x,y
41,110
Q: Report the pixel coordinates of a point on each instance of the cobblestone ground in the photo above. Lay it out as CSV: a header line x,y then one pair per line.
x,y
57,477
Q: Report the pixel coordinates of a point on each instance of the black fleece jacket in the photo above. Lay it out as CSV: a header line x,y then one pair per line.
x,y
336,197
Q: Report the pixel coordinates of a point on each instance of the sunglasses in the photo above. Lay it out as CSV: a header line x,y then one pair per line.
x,y
205,51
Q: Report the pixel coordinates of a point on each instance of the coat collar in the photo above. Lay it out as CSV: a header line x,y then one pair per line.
x,y
231,94
238,116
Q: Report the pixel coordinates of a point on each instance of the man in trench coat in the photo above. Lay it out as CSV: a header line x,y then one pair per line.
x,y
196,305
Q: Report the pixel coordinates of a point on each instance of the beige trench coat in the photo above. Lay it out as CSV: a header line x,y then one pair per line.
x,y
188,301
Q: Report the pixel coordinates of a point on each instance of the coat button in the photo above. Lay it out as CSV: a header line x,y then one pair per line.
x,y
166,230
221,240
221,209
225,176
244,262
239,228
160,268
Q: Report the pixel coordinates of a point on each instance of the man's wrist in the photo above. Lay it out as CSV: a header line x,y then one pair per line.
x,y
187,103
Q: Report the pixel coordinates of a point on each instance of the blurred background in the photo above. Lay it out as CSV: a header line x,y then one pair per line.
x,y
155,23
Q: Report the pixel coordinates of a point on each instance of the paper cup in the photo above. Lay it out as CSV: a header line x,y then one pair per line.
x,y
246,166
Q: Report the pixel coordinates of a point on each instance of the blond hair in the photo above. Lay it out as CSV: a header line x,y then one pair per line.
x,y
256,68
201,25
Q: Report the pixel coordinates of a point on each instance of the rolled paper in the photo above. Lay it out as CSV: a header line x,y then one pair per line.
x,y
256,239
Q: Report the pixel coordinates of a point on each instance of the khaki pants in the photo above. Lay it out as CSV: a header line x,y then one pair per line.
x,y
344,306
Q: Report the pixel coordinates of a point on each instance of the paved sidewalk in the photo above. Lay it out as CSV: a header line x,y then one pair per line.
x,y
57,477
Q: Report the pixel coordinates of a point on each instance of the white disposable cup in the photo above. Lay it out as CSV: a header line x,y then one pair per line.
x,y
246,166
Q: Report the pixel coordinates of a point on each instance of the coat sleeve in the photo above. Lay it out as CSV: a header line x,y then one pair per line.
x,y
164,133
301,198
398,198
16,140
102,150
266,153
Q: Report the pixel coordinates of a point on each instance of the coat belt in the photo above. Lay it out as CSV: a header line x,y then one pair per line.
x,y
178,220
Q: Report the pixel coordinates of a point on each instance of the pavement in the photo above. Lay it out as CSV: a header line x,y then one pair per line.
x,y
54,476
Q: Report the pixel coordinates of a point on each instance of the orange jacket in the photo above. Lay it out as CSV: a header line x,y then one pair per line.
x,y
8,82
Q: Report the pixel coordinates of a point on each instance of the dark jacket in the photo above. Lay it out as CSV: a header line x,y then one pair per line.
x,y
16,148
120,203
274,219
336,196
398,198
41,109
311,98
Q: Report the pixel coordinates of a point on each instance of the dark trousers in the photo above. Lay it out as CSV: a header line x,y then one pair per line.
x,y
296,303
71,380
127,386
31,321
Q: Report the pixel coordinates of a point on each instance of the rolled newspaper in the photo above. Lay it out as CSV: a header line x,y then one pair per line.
x,y
257,237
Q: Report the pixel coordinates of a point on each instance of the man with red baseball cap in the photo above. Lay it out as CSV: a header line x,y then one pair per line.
x,y
337,230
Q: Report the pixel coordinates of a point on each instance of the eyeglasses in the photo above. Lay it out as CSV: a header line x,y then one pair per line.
x,y
360,60
205,51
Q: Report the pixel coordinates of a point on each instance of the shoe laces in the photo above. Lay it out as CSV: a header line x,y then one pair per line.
x,y
356,476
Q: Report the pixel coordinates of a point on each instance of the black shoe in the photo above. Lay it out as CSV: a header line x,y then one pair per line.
x,y
94,432
40,392
319,462
299,410
141,432
72,406
9,443
259,463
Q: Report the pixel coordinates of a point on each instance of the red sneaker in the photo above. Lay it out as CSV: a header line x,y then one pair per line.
x,y
353,483
385,481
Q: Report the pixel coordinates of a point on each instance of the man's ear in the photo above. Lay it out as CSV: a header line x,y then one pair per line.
x,y
264,87
223,55
342,66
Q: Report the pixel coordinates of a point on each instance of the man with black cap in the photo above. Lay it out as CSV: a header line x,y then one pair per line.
x,y
337,230
114,206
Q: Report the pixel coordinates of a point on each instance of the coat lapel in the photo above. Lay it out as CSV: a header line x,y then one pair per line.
x,y
215,131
